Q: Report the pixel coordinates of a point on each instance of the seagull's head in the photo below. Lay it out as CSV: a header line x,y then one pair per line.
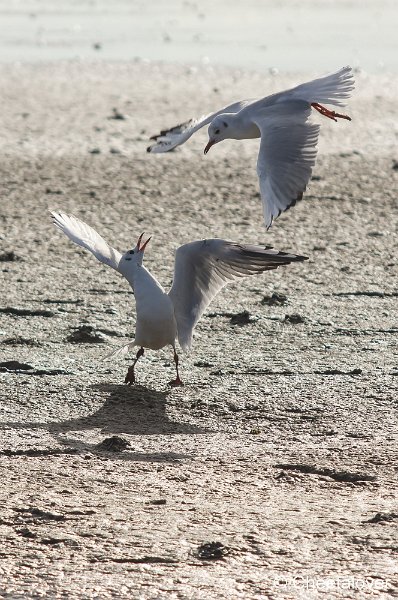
x,y
219,129
133,258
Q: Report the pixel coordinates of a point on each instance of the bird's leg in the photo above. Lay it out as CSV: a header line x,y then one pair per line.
x,y
177,381
331,114
130,377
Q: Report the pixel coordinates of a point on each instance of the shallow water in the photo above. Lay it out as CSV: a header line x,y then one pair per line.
x,y
288,35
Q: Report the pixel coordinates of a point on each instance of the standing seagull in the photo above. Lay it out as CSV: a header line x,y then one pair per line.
x,y
288,140
201,270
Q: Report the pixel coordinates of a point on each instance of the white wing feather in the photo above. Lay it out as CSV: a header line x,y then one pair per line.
x,y
85,236
286,157
332,89
169,139
203,268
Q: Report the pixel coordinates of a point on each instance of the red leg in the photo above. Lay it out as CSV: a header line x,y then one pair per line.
x,y
331,114
177,381
130,377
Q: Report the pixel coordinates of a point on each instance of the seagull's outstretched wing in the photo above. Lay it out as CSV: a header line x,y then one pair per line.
x,y
168,139
204,267
286,156
332,89
83,235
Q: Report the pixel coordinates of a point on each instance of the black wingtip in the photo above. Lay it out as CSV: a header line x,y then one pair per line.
x,y
296,257
149,149
292,257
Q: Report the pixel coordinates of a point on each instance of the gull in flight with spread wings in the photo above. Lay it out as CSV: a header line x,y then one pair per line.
x,y
289,139
202,268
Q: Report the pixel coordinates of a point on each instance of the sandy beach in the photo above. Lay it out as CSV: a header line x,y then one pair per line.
x,y
282,445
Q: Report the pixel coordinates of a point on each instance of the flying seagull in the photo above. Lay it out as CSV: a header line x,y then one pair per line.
x,y
289,139
202,268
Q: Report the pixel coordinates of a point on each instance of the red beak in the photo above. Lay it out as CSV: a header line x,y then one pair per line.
x,y
139,242
142,248
210,143
144,245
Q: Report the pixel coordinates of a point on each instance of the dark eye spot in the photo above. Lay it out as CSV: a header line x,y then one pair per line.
x,y
131,251
225,124
216,131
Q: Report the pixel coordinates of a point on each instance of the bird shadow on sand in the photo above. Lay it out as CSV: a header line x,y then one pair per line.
x,y
130,410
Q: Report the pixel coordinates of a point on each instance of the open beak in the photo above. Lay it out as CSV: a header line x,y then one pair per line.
x,y
144,245
210,143
139,247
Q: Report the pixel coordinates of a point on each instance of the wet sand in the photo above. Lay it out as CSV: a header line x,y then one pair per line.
x,y
282,445
287,36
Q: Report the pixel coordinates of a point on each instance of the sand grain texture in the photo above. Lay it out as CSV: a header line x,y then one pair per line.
x,y
282,446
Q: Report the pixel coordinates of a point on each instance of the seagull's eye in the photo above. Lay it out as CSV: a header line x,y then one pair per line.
x,y
216,131
131,251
